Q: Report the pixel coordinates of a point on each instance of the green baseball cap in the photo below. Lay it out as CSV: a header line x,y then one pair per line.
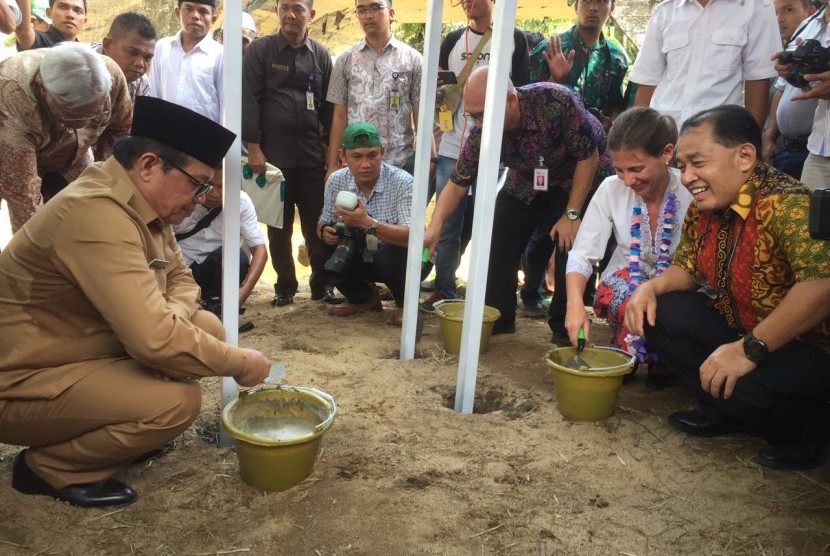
x,y
359,135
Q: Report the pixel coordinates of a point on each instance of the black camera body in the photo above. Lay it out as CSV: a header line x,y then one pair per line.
x,y
348,246
819,222
808,57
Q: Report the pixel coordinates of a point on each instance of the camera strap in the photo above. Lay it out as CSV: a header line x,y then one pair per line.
x,y
804,25
203,223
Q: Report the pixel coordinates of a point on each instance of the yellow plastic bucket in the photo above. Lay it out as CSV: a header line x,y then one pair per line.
x,y
277,431
588,395
450,314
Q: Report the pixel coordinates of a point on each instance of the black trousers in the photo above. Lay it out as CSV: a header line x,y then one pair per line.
x,y
513,224
208,273
303,188
357,282
784,399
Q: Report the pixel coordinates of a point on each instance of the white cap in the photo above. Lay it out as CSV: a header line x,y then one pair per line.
x,y
248,22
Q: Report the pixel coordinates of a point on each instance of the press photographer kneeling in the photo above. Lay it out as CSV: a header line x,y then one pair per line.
x,y
365,224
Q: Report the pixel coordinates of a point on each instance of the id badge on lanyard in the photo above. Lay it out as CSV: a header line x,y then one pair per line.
x,y
445,119
394,94
309,94
540,176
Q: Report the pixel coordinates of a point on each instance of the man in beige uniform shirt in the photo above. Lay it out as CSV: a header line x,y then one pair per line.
x,y
102,337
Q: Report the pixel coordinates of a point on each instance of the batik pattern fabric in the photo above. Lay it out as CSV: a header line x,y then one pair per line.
x,y
610,303
33,142
749,256
597,71
555,127
365,81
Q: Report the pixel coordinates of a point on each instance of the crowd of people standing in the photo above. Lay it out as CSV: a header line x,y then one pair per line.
x,y
668,182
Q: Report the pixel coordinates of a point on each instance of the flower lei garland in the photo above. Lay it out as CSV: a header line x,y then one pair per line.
x,y
636,344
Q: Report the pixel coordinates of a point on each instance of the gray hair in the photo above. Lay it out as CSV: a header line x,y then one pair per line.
x,y
74,74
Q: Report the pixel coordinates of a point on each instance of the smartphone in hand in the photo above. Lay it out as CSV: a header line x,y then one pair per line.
x,y
447,77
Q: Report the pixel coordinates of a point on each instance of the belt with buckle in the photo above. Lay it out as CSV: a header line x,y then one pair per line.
x,y
797,143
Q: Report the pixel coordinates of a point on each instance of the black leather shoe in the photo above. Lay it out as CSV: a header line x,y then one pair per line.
x,y
796,455
162,450
282,299
108,492
331,298
532,310
504,328
560,335
700,423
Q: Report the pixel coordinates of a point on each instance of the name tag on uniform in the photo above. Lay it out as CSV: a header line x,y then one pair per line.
x,y
159,263
279,67
540,176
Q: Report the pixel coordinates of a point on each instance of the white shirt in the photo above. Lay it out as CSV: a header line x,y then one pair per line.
x,y
609,212
698,57
192,79
451,141
819,141
206,241
795,118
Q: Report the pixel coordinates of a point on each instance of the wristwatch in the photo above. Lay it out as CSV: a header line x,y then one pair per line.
x,y
754,349
572,214
373,228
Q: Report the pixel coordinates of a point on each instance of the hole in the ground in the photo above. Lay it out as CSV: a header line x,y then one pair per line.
x,y
491,400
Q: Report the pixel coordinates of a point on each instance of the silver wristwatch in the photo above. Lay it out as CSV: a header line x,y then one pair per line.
x,y
373,228
572,214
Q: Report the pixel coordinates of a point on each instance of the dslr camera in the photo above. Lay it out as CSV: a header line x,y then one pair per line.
x,y
351,239
808,57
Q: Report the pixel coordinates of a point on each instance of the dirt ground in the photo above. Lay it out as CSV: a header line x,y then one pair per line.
x,y
400,472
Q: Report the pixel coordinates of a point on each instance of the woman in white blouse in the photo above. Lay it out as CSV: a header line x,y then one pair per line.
x,y
643,208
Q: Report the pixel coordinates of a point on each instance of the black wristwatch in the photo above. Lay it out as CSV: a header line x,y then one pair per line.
x,y
754,349
572,214
373,228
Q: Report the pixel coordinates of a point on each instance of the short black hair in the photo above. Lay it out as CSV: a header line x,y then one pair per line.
x,y
127,150
131,21
732,125
211,3
52,2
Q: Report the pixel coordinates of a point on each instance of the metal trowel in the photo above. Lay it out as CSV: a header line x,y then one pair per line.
x,y
276,373
575,361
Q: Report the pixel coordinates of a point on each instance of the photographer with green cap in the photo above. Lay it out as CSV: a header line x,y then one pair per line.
x,y
365,224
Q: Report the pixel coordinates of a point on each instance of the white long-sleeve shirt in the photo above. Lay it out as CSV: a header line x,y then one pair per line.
x,y
192,79
204,242
609,212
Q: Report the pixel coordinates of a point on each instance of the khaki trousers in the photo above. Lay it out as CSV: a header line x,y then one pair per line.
x,y
816,172
104,421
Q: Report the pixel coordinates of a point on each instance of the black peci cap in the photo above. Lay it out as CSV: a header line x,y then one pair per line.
x,y
182,129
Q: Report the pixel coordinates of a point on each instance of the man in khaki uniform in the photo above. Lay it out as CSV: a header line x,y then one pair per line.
x,y
102,337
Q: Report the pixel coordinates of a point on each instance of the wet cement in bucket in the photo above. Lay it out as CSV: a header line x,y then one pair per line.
x,y
280,428
277,433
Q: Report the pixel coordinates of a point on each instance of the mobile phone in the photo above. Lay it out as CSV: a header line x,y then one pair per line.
x,y
447,77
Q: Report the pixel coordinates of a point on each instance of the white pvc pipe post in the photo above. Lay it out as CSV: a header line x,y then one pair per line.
x,y
423,153
232,179
485,203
